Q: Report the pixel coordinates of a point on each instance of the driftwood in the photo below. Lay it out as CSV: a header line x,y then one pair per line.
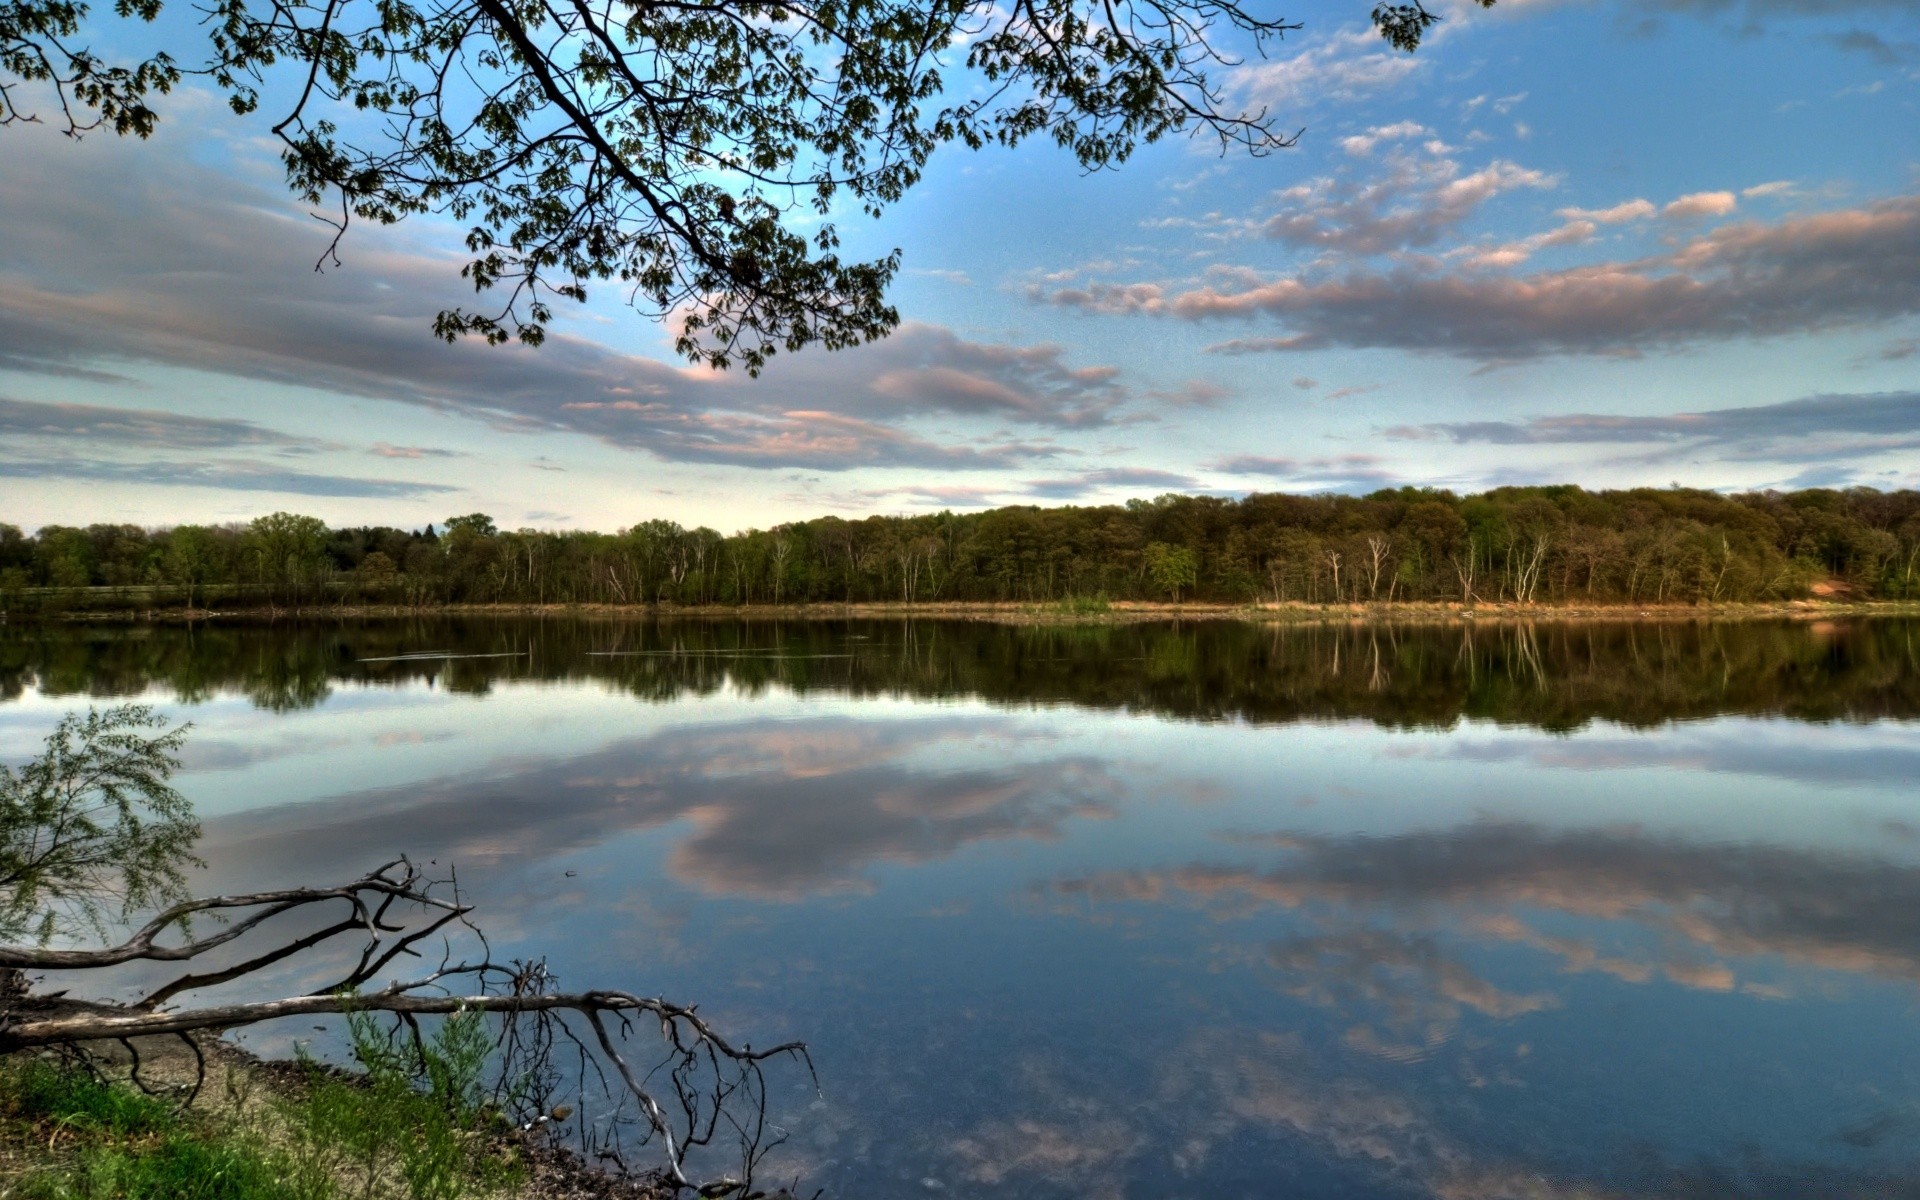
x,y
700,1088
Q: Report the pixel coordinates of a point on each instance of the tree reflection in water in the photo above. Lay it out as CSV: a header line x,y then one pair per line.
x,y
1549,675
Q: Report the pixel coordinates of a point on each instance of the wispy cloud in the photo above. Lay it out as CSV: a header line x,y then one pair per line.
x,y
222,475
1109,478
1793,431
136,427
1338,473
1341,69
383,450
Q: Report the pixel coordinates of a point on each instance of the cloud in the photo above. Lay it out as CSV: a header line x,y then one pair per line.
x,y
123,252
1512,254
1263,345
1810,427
1418,201
1361,144
1626,210
1194,393
1866,42
1701,204
383,450
136,427
1750,17
1111,477
1110,299
1751,279
226,475
943,496
1343,68
1342,473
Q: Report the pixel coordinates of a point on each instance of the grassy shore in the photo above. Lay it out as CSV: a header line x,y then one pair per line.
x,y
1054,612
265,1131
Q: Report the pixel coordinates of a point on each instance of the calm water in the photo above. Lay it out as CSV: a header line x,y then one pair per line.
x,y
1157,911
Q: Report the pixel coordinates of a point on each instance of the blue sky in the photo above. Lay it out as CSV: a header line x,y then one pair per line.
x,y
1615,242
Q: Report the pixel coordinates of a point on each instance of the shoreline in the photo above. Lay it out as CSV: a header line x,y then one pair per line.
x,y
239,1090
994,612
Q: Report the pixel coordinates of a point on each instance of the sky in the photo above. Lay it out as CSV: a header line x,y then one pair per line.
x,y
1608,242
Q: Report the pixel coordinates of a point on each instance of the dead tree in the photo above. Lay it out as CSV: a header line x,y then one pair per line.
x,y
696,1090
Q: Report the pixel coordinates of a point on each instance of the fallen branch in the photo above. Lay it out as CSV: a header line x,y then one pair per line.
x,y
707,1078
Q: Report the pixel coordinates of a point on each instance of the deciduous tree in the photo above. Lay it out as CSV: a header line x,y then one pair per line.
x,y
686,151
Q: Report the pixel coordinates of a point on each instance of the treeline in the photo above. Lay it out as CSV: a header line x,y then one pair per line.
x,y
1531,545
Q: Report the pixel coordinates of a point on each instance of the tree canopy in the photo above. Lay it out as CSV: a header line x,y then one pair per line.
x,y
91,830
689,151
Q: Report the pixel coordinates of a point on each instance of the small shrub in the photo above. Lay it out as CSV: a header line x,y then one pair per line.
x,y
413,1118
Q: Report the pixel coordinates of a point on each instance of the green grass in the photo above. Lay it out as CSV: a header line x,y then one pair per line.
x,y
109,1141
180,1166
41,1092
411,1126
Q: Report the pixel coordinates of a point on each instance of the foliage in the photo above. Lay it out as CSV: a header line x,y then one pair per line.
x,y
1171,567
413,1116
91,829
290,552
688,152
1544,544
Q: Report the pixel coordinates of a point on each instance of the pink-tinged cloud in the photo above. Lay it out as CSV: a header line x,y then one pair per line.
x,y
1627,210
1856,266
1512,254
1110,299
1417,203
1701,204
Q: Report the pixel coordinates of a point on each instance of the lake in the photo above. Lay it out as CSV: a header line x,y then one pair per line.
x,y
1158,910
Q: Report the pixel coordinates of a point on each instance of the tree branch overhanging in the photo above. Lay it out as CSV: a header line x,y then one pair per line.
x,y
689,152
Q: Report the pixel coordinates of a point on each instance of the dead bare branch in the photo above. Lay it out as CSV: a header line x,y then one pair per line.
x,y
394,910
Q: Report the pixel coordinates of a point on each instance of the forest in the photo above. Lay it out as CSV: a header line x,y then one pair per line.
x,y
1528,545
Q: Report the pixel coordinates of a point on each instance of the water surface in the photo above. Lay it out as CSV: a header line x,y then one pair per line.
x,y
1204,910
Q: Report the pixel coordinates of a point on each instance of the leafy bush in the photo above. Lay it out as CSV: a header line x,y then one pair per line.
x,y
414,1117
